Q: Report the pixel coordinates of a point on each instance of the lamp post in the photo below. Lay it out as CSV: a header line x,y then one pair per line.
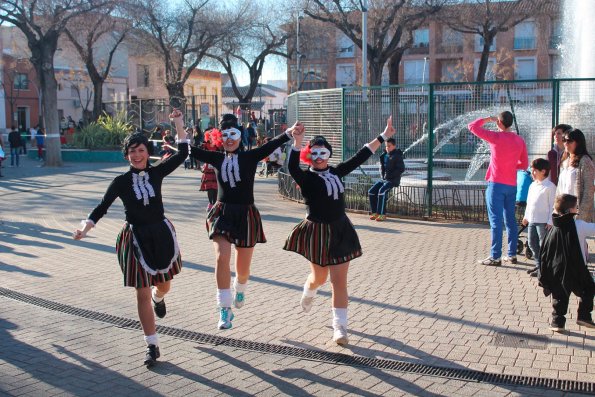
x,y
297,51
364,43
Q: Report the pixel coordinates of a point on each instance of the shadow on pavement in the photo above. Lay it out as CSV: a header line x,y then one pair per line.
x,y
283,386
76,379
165,368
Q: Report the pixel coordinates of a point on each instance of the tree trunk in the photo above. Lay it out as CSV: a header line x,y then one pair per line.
x,y
483,66
393,68
97,99
176,95
42,56
375,73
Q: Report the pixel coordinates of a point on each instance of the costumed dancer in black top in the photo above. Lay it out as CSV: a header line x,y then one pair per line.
x,y
147,247
326,237
234,219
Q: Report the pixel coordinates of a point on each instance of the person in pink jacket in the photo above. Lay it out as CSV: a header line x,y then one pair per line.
x,y
508,154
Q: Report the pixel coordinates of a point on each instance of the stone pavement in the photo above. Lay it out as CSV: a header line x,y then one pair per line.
x,y
416,296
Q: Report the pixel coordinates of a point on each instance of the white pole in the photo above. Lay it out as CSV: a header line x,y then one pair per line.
x,y
365,43
298,54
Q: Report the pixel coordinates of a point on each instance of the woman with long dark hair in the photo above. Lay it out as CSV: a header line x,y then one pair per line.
x,y
234,219
577,173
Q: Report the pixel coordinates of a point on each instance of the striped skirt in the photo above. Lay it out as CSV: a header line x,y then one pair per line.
x,y
239,223
136,269
325,243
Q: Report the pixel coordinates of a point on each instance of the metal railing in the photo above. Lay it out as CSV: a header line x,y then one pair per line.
x,y
445,163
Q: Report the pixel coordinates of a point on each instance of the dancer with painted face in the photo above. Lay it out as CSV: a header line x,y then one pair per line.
x,y
234,219
326,237
147,247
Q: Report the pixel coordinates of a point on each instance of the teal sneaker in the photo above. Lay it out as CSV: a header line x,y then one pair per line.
x,y
238,300
225,317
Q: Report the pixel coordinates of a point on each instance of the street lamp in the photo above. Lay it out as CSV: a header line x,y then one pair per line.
x,y
364,43
297,51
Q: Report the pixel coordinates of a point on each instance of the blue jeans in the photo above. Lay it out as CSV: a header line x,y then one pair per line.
x,y
14,152
379,196
536,234
500,200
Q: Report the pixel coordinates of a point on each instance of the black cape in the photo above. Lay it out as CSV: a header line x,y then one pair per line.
x,y
562,262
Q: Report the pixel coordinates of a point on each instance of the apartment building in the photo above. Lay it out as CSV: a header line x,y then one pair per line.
x,y
528,51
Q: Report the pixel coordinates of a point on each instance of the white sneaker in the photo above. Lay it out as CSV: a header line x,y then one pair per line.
x,y
306,303
225,317
340,336
238,300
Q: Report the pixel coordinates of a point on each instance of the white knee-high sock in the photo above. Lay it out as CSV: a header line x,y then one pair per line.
x,y
339,317
152,340
155,297
224,298
239,287
310,293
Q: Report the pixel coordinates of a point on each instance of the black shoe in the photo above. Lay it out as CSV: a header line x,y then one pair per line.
x,y
529,271
586,322
152,355
534,273
159,308
556,327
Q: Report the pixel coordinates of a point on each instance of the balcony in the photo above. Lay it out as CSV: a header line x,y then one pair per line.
x,y
555,42
450,48
524,43
418,48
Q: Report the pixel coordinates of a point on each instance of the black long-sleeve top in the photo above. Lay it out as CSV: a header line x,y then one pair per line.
x,y
321,206
243,191
133,195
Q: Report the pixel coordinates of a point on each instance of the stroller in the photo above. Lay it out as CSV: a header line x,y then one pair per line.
x,y
522,190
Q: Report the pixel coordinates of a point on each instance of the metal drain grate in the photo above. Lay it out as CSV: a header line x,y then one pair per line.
x,y
519,340
314,355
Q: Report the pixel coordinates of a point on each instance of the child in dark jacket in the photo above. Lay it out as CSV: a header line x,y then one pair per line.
x,y
391,168
563,266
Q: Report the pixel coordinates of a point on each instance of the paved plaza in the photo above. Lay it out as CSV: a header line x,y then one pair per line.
x,y
417,297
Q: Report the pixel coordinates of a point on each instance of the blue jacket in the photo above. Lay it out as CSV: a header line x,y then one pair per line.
x,y
394,167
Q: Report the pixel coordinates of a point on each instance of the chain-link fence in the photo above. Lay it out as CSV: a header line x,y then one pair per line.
x,y
146,114
445,163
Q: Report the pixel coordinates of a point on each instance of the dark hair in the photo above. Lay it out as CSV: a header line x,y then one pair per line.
x,y
563,127
540,165
228,120
392,141
134,140
580,149
506,118
319,140
564,203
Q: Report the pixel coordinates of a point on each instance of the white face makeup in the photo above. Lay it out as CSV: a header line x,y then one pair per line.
x,y
320,153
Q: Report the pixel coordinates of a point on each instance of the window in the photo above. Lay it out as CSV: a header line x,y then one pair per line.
x,y
313,77
142,75
21,82
111,94
524,36
451,70
345,75
345,47
556,38
74,91
452,41
421,38
416,72
479,44
556,66
490,71
525,69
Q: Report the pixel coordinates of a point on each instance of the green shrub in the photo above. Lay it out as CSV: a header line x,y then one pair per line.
x,y
106,133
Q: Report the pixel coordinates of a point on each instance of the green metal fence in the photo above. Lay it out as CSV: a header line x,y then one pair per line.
x,y
445,163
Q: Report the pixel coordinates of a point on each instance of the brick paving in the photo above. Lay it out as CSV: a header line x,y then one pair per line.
x,y
416,296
